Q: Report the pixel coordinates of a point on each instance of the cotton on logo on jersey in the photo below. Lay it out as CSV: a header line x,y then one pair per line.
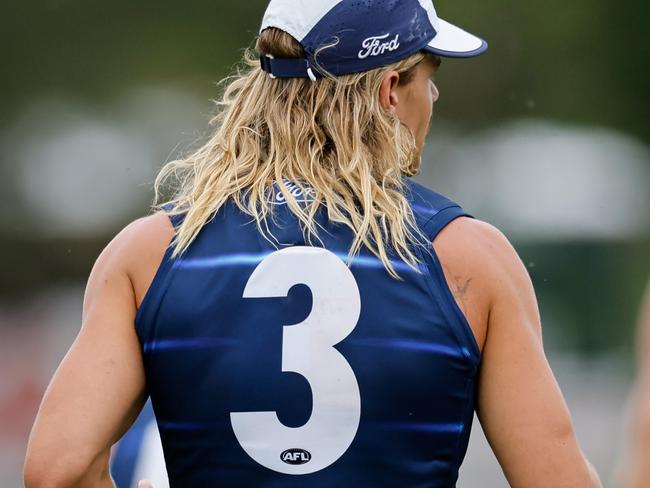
x,y
295,456
376,45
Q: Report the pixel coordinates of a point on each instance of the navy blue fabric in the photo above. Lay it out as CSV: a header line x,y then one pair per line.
x,y
349,24
125,456
336,42
288,68
208,352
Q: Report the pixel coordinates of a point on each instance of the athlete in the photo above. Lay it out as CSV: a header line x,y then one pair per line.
x,y
636,469
301,313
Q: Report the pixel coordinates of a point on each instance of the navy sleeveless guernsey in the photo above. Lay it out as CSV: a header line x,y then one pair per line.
x,y
280,365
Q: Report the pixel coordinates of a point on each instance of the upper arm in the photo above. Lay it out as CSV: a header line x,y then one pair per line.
x,y
520,405
99,386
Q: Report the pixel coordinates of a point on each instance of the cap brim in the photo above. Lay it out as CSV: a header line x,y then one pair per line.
x,y
454,42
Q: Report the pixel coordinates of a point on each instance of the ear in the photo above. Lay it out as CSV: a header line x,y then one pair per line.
x,y
388,97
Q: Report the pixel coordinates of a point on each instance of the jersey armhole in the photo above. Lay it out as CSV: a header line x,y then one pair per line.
x,y
439,286
157,288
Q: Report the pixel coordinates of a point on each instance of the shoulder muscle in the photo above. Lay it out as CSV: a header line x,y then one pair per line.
x,y
98,388
478,262
133,255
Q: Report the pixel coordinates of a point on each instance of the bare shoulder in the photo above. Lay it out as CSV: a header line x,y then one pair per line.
x,y
146,236
471,238
137,251
100,384
519,404
479,262
470,245
138,239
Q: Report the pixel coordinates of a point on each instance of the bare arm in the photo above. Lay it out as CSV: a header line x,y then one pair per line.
x,y
98,388
520,405
636,471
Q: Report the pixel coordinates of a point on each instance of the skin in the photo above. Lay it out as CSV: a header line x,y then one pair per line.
x,y
636,469
520,405
99,387
412,103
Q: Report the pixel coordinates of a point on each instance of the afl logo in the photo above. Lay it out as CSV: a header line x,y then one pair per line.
x,y
295,456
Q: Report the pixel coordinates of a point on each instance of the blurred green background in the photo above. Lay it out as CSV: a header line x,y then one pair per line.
x,y
546,136
583,62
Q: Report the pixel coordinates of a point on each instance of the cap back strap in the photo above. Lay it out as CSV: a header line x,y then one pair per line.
x,y
288,67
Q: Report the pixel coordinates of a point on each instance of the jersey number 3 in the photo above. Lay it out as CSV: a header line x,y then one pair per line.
x,y
307,349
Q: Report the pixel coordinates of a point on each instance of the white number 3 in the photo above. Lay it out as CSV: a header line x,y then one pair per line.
x,y
308,350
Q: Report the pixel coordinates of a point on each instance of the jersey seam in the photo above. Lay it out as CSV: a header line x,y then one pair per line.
x,y
453,308
157,289
444,297
448,314
438,212
437,299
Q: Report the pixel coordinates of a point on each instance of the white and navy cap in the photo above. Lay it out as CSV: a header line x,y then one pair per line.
x,y
351,36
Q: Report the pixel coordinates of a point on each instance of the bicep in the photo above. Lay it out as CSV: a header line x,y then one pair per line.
x,y
103,370
99,386
520,405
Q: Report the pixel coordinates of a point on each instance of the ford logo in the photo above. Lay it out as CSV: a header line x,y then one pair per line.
x,y
295,456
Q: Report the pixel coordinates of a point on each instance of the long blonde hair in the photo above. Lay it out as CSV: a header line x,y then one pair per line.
x,y
330,137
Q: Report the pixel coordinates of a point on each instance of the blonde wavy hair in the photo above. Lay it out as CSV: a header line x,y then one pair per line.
x,y
330,137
